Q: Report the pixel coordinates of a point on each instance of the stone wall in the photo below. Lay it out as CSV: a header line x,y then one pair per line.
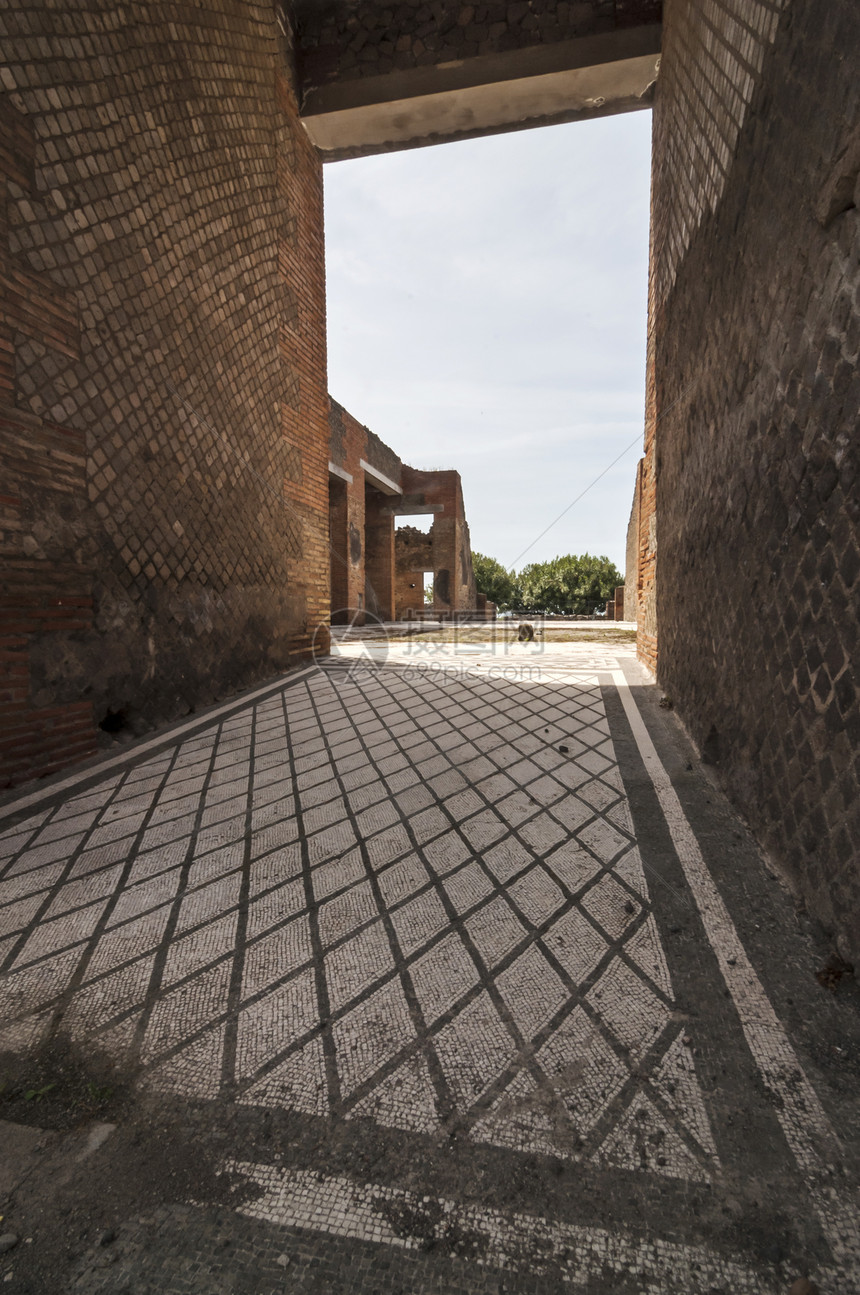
x,y
340,38
383,570
754,339
646,479
162,362
379,580
454,587
413,556
362,525
631,556
345,550
346,447
375,76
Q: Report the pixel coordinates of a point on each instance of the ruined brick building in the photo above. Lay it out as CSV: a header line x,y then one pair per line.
x,y
378,565
163,399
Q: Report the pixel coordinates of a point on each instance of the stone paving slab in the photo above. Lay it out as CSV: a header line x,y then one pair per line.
x,y
408,929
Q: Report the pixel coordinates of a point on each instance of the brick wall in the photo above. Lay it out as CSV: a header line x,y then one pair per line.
x,y
646,479
364,578
384,569
753,445
413,556
45,595
631,557
341,566
378,553
453,576
161,253
346,448
343,39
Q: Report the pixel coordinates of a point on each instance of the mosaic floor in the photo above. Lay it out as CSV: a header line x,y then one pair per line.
x,y
406,889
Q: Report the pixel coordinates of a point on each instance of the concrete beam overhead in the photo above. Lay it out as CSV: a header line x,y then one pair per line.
x,y
336,471
592,76
404,510
378,479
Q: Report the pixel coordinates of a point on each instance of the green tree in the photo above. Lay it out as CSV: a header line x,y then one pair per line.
x,y
568,586
492,579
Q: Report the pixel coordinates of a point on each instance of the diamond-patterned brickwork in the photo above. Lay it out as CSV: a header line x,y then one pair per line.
x,y
756,350
176,200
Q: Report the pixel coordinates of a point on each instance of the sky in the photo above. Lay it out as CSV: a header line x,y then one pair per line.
x,y
487,306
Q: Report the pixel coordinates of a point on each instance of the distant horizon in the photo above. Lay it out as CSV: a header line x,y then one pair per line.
x,y
487,311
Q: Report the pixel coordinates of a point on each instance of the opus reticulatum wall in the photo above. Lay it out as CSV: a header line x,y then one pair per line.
x,y
753,441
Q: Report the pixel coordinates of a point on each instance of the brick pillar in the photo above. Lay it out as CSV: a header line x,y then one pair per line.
x,y
378,554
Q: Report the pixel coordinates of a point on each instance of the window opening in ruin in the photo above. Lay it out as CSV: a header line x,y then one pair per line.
x,y
428,588
418,521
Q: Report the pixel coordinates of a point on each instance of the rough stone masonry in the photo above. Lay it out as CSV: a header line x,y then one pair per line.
x,y
163,377
751,505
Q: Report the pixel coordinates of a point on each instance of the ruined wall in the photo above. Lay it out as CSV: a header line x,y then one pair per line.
x,y
381,456
364,528
754,337
162,366
631,557
453,576
413,556
646,478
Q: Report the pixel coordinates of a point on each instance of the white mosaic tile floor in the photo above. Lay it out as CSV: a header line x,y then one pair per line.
x,y
406,895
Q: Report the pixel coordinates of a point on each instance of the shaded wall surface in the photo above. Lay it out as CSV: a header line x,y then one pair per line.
x,y
163,410
754,348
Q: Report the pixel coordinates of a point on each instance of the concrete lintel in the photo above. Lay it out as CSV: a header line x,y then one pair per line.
x,y
381,125
404,510
336,471
378,479
485,110
346,92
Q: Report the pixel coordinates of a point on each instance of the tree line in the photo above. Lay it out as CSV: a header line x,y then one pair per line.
x,y
565,586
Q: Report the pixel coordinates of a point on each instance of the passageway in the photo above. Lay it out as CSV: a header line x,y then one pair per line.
x,y
445,969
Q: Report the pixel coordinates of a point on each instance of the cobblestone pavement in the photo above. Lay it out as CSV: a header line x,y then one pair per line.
x,y
447,959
